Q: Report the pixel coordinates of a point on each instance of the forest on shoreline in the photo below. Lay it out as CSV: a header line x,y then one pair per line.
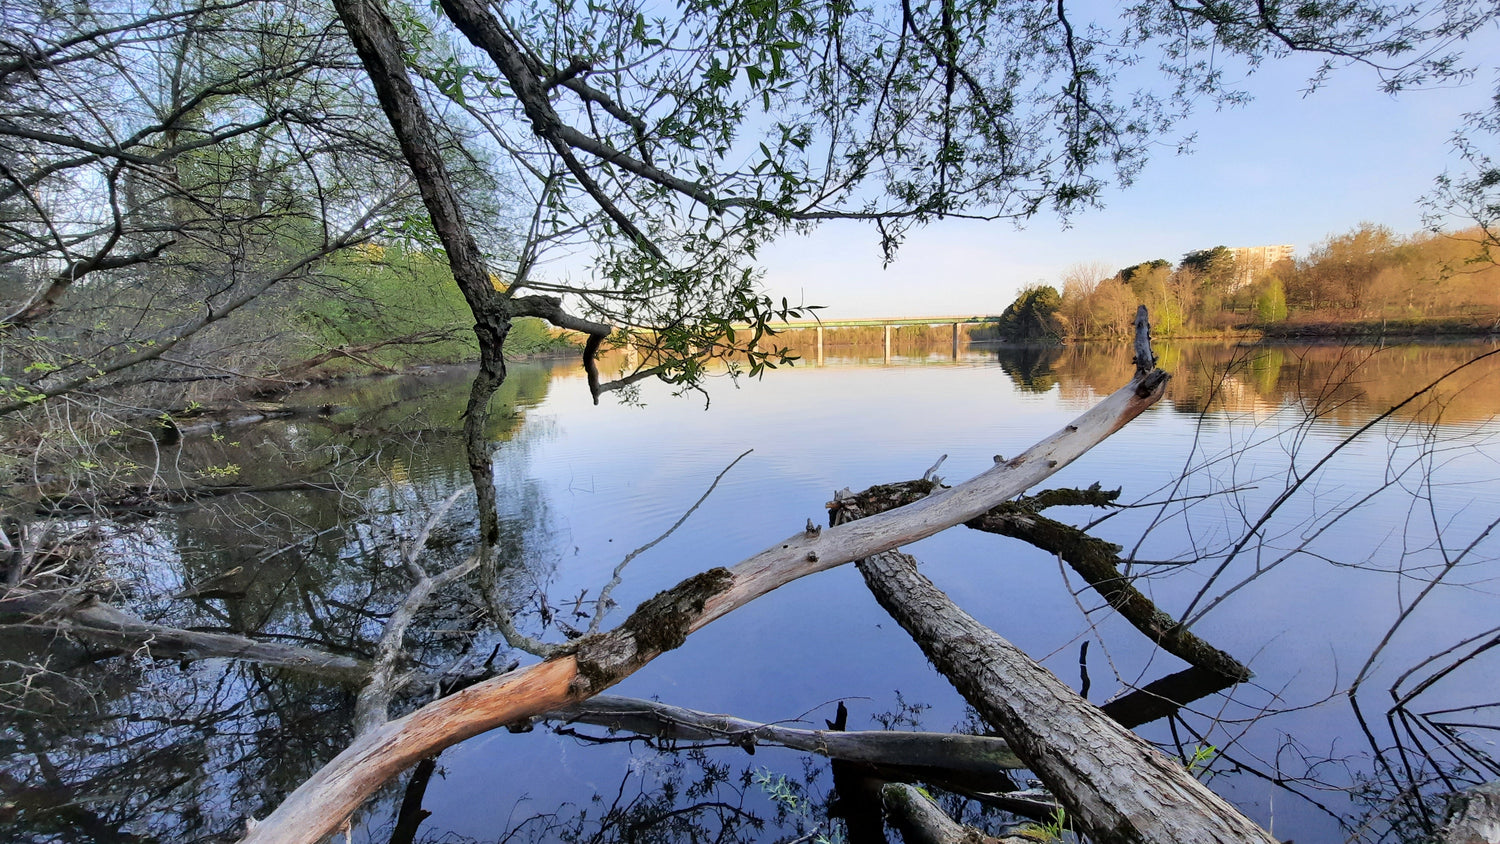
x,y
1367,281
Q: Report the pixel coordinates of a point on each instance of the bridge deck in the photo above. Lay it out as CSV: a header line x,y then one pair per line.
x,y
880,321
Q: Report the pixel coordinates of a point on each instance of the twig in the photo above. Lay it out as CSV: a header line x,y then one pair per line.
x,y
603,603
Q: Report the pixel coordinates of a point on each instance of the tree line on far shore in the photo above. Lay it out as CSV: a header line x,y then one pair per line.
x,y
1365,278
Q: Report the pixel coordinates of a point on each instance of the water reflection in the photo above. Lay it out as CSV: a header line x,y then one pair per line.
x,y
299,546
307,553
1341,383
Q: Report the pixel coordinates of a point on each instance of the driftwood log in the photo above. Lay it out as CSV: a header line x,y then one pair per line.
x,y
1115,786
590,665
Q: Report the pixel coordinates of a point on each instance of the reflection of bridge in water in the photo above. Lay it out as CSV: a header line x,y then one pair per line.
x,y
888,323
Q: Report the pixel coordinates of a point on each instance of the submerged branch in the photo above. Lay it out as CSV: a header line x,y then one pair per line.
x,y
920,821
947,752
1095,560
91,621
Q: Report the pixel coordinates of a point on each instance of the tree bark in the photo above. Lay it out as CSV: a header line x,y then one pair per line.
x,y
592,664
1114,785
1095,560
1473,816
1098,563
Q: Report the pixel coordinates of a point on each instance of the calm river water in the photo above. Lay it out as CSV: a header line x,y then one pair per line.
x,y
1339,554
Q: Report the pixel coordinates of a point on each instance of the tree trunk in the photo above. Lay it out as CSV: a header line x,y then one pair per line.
x,y
1114,785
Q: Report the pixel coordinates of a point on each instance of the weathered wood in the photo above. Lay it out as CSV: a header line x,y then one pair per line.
x,y
1098,562
92,621
948,751
1095,560
1115,786
1473,816
922,822
592,664
1145,359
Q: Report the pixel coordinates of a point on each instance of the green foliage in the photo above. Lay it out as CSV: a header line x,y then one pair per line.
x,y
1270,304
1054,828
1214,268
1203,756
397,307
1130,273
791,800
1033,315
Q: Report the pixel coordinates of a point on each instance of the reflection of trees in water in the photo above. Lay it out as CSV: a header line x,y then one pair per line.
x,y
1030,367
1350,475
163,752
195,748
1394,510
103,745
1338,383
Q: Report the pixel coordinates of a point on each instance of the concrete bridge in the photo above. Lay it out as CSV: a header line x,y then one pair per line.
x,y
888,323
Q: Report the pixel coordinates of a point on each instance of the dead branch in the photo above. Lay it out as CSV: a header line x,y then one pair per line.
x,y
952,752
604,602
372,706
1096,561
922,822
590,665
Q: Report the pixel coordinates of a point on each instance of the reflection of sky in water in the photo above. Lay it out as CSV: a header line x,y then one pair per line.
x,y
617,476
581,486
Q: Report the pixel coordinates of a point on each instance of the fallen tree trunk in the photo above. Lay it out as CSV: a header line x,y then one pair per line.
x,y
1114,785
590,665
953,752
1095,560
1098,562
102,624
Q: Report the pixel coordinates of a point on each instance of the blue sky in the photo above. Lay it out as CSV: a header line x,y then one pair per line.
x,y
1286,168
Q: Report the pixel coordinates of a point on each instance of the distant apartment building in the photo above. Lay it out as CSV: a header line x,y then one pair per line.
x,y
1251,261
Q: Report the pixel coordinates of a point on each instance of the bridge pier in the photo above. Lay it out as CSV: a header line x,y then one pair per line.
x,y
887,358
955,341
820,345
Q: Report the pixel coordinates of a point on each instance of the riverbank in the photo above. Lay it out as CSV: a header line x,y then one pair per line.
x,y
1416,329
1444,328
